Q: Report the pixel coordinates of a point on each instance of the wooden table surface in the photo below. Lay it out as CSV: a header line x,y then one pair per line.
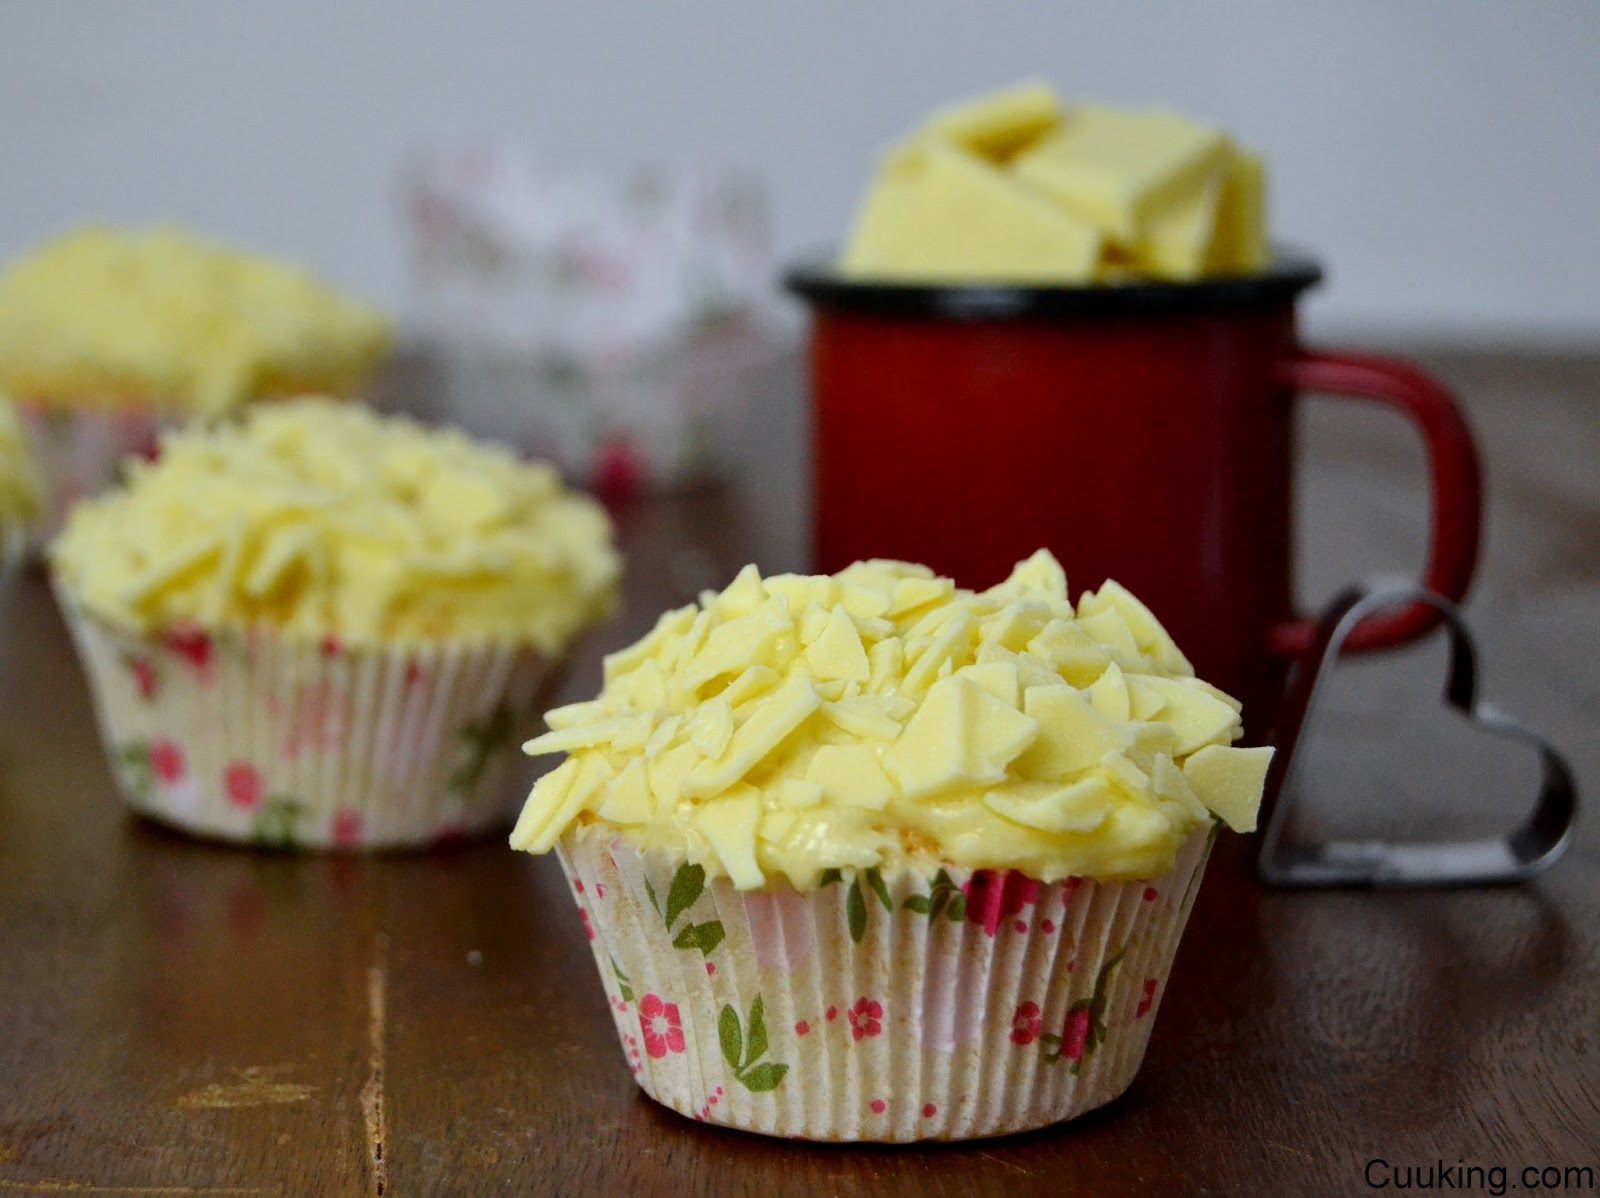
x,y
181,1018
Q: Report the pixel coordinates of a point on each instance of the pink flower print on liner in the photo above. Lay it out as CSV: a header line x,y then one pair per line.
x,y
1147,999
661,1025
194,647
346,827
166,761
993,897
1075,1035
588,928
144,677
242,783
864,1018
781,931
1026,1024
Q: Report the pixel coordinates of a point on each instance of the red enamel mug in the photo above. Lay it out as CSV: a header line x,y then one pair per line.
x,y
1143,432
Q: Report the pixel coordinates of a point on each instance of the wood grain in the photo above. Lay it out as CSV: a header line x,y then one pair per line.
x,y
178,1018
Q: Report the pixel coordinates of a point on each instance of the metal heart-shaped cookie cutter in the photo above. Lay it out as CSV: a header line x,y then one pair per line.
x,y
1530,850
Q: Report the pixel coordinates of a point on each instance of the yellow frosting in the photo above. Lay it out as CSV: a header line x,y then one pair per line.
x,y
102,315
19,485
883,717
1014,187
323,519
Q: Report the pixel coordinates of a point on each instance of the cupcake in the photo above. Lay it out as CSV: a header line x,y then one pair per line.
x,y
320,628
108,335
19,494
871,857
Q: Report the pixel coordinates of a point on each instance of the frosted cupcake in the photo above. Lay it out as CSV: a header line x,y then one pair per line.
x,y
869,857
108,335
321,628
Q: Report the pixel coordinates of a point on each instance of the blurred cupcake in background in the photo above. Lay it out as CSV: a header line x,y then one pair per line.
x,y
616,323
108,335
317,627
19,490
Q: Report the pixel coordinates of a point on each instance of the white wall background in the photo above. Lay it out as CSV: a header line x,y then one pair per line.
x,y
1442,155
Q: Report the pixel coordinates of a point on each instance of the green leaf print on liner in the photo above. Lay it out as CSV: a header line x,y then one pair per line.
x,y
855,909
274,825
875,880
703,936
480,741
944,898
688,884
729,1036
133,766
623,983
757,1047
743,1048
855,903
762,1078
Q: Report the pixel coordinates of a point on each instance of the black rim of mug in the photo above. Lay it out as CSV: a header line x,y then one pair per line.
x,y
1291,271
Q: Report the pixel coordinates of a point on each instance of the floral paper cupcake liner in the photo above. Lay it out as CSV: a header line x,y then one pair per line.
x,y
258,738
878,1007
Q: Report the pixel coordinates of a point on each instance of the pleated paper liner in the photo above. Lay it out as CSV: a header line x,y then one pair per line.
x,y
259,738
878,1007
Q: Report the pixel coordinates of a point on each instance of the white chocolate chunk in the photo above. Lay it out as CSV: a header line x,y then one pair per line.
x,y
1070,652
627,798
913,593
999,678
670,625
1109,694
837,651
797,793
712,727
729,822
781,714
851,776
866,716
1147,631
540,824
1073,736
1195,716
960,735
1073,807
1229,781
565,740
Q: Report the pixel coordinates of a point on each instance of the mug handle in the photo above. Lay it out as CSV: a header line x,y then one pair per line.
x,y
1455,486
